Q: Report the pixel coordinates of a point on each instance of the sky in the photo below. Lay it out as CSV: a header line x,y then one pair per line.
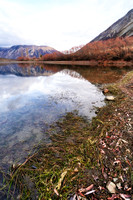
x,y
60,24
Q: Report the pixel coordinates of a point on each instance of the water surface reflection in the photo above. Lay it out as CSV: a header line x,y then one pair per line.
x,y
93,74
28,105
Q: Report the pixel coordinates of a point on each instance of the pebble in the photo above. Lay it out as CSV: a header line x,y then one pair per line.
x,y
105,91
19,196
111,187
118,186
76,170
110,98
115,179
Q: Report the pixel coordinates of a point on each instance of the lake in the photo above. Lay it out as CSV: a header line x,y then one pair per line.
x,y
32,97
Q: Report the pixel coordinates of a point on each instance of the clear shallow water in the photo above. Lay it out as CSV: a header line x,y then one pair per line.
x,y
28,105
34,96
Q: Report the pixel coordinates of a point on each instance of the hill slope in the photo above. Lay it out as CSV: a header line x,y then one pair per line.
x,y
121,28
25,50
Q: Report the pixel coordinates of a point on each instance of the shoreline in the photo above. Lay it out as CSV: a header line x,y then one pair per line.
x,y
96,155
105,63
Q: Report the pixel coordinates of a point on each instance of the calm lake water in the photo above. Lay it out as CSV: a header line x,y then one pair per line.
x,y
33,97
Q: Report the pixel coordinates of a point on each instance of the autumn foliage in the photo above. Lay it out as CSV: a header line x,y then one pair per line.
x,y
53,56
22,58
112,49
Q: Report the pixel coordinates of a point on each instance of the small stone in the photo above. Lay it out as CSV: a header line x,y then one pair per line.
x,y
76,170
105,90
13,166
115,179
118,186
111,187
128,151
79,164
19,196
110,98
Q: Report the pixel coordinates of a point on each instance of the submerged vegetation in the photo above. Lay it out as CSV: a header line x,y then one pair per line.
x,y
84,160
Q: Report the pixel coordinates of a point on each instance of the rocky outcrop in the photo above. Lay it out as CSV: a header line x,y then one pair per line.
x,y
121,28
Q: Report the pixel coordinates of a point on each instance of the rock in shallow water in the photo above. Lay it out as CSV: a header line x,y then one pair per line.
x,y
110,98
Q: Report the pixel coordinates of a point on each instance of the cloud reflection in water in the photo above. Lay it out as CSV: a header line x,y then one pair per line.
x,y
29,104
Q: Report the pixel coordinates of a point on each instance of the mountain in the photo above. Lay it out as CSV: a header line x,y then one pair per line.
x,y
25,50
121,28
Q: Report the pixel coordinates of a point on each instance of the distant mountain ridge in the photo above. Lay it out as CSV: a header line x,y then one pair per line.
x,y
121,28
25,50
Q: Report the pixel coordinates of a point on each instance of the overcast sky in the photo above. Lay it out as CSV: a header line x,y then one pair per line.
x,y
61,24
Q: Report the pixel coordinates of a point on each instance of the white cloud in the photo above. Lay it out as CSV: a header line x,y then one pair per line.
x,y
60,24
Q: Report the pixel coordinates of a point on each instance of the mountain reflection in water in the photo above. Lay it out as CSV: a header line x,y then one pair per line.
x,y
28,105
94,74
